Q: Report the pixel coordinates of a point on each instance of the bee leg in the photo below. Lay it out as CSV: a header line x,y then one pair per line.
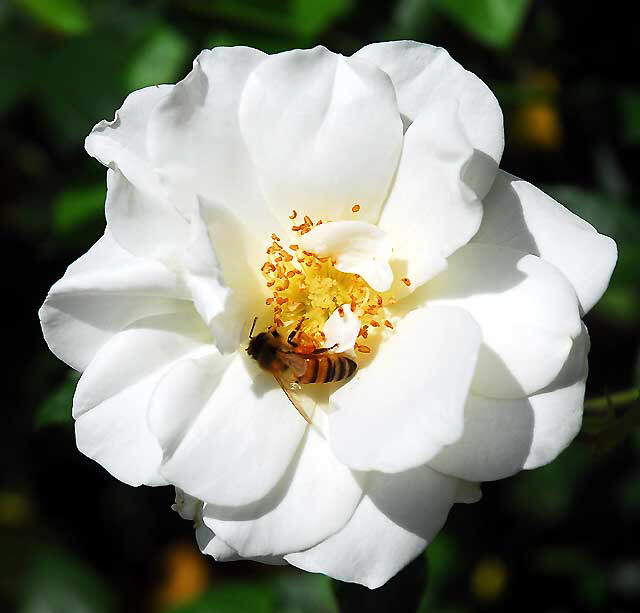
x,y
324,349
293,334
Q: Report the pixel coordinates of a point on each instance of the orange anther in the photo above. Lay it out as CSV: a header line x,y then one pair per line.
x,y
374,323
406,281
293,215
341,311
268,301
379,300
388,324
281,300
363,349
355,208
294,247
270,283
307,220
275,237
291,273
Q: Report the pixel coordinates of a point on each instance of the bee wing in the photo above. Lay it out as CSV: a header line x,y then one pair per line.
x,y
295,399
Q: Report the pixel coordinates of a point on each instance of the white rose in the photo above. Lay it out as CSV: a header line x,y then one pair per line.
x,y
477,281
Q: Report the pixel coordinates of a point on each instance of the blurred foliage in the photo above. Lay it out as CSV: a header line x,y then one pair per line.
x,y
55,407
73,539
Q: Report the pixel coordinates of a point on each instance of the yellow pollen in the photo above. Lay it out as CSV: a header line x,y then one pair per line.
x,y
307,288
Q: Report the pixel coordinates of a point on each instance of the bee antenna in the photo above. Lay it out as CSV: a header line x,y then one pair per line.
x,y
253,325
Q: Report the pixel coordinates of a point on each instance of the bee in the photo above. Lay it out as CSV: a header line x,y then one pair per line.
x,y
292,364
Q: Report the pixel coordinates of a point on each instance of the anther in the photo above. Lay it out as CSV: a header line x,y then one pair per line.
x,y
307,220
293,215
293,247
374,323
388,324
355,208
363,348
275,237
406,281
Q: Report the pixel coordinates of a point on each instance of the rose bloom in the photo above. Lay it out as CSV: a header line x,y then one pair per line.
x,y
356,202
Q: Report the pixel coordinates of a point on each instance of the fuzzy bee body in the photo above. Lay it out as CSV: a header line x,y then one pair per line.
x,y
291,366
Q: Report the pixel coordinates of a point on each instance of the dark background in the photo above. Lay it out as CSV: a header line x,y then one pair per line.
x,y
74,540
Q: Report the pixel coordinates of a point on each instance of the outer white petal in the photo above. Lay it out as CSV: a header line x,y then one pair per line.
x,y
314,500
407,404
113,394
227,430
358,247
342,331
396,519
431,211
324,133
526,308
519,215
122,142
424,76
194,138
145,223
503,436
101,293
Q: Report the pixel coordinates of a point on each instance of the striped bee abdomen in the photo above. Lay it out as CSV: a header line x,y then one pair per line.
x,y
327,367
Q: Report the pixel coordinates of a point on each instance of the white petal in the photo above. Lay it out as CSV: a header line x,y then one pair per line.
x,y
527,310
341,331
424,76
503,436
113,394
359,248
431,211
231,446
101,293
407,403
323,131
186,506
396,519
314,500
122,143
143,222
219,306
519,215
195,143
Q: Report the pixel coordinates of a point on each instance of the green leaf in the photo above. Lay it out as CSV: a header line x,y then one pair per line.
x,y
18,67
60,583
56,409
231,598
311,19
493,22
67,16
159,59
300,592
77,206
630,111
81,83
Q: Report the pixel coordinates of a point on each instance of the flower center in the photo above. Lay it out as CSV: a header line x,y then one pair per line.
x,y
308,288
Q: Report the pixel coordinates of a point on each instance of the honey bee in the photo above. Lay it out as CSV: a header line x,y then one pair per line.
x,y
292,364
